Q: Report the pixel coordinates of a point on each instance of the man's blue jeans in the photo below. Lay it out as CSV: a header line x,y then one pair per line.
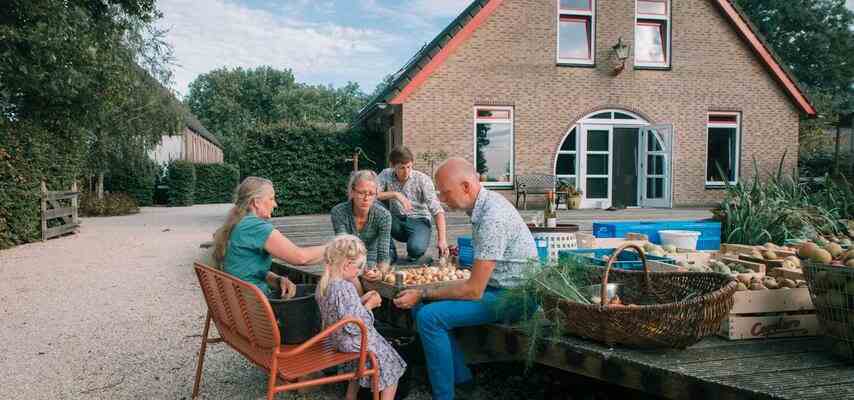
x,y
414,231
446,366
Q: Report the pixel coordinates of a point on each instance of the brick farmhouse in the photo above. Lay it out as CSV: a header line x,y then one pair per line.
x,y
649,103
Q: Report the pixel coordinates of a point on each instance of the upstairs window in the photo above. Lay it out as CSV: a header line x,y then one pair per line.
x,y
723,144
576,32
652,33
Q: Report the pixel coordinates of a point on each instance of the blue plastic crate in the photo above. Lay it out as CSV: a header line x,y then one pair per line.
x,y
626,260
466,256
710,231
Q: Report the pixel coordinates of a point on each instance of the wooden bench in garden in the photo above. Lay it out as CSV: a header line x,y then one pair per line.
x,y
245,321
532,184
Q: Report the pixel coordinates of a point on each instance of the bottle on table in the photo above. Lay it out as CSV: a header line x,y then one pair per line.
x,y
550,212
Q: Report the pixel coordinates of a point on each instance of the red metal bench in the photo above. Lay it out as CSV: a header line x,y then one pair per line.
x,y
245,321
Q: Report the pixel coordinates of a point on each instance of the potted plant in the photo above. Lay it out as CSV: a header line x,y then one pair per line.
x,y
573,195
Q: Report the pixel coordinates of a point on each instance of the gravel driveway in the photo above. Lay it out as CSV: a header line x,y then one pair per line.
x,y
115,312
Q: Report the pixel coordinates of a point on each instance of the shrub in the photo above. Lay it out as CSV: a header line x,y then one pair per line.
x,y
306,164
30,153
215,183
112,204
181,179
136,179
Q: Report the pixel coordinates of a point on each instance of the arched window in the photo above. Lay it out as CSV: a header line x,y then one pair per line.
x,y
566,165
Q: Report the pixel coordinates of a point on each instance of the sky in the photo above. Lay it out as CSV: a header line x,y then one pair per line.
x,y
321,41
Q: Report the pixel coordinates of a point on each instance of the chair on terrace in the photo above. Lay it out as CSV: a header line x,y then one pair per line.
x,y
245,321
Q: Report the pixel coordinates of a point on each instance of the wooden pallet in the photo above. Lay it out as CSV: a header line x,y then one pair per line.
x,y
770,313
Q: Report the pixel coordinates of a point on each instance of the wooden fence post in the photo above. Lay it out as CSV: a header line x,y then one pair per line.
x,y
44,211
75,202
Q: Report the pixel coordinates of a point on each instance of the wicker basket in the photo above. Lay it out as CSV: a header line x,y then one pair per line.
x,y
663,309
832,292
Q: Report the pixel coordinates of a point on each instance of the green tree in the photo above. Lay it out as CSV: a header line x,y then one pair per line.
x,y
235,102
815,40
68,74
232,102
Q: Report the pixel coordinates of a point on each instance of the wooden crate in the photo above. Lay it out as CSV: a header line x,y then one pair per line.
x,y
770,313
736,327
758,268
611,243
746,250
390,290
788,273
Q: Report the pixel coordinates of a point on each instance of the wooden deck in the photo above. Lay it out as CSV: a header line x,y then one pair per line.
x,y
794,368
715,368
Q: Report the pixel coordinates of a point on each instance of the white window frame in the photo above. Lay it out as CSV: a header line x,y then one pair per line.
x,y
737,126
609,163
577,184
666,45
503,185
591,15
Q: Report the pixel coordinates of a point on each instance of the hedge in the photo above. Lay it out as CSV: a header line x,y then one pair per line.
x,y
215,183
111,205
307,164
137,179
181,178
30,153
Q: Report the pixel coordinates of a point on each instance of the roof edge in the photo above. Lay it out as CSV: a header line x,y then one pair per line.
x,y
757,42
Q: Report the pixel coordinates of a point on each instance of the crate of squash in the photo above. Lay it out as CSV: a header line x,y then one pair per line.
x,y
389,283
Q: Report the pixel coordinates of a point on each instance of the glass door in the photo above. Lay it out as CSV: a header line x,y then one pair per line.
x,y
655,166
596,166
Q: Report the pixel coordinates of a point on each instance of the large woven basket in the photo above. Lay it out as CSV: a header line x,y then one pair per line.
x,y
662,309
832,293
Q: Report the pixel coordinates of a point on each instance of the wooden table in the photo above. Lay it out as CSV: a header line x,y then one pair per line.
x,y
792,368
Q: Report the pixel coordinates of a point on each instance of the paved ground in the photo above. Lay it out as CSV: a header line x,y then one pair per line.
x,y
115,312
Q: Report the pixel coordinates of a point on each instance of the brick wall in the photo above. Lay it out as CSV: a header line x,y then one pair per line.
x,y
510,60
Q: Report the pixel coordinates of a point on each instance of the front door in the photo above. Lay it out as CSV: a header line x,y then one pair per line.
x,y
596,166
624,183
656,166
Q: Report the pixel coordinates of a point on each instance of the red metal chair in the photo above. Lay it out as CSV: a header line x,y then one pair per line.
x,y
245,321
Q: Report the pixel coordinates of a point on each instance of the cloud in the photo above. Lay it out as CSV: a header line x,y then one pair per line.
x,y
442,8
224,34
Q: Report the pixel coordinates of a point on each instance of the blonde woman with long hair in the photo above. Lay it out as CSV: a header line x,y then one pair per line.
x,y
245,244
337,298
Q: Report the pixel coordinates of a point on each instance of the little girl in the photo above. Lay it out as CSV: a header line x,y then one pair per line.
x,y
337,298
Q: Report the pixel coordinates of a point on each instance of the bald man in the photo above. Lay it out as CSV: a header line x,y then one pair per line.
x,y
503,246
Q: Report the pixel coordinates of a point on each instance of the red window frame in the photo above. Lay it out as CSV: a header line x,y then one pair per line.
x,y
586,20
662,33
723,119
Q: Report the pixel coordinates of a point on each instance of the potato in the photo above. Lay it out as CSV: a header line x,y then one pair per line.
x,y
769,255
834,249
794,260
787,283
743,279
770,283
740,287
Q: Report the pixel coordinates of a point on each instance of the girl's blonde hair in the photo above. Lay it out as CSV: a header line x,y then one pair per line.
x,y
342,249
250,189
359,176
